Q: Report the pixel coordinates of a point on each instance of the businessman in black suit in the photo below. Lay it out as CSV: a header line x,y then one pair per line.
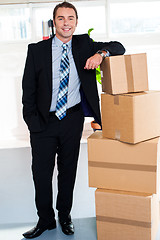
x,y
48,133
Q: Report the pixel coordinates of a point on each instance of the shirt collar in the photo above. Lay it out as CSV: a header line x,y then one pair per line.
x,y
58,43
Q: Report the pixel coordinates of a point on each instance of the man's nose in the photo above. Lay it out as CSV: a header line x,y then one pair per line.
x,y
65,22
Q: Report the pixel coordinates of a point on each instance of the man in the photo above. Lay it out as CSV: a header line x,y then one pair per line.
x,y
59,89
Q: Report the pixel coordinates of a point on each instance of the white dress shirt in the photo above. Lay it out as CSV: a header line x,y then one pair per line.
x,y
74,81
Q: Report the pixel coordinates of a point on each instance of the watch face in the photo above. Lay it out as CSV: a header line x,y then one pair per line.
x,y
104,55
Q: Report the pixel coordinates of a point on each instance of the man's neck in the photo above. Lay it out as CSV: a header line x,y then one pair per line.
x,y
64,40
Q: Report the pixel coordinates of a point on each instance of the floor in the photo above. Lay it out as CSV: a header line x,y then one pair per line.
x,y
85,229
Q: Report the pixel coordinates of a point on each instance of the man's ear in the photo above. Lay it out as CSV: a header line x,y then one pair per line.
x,y
54,23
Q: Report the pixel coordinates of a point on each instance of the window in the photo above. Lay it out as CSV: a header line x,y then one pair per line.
x,y
91,15
14,23
135,17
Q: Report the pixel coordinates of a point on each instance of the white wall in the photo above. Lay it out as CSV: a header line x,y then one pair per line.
x,y
17,191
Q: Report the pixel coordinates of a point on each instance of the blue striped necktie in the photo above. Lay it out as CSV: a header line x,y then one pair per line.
x,y
61,106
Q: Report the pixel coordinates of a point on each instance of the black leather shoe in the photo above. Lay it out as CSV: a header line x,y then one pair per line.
x,y
67,225
37,231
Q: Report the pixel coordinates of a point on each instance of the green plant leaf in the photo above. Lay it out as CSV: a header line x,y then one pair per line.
x,y
98,74
90,30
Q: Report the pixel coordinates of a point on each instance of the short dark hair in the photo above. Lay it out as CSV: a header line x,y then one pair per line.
x,y
64,5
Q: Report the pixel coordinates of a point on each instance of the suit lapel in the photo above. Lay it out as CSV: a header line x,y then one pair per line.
x,y
75,52
48,61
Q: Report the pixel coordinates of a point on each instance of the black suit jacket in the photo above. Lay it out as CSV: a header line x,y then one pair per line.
x,y
37,78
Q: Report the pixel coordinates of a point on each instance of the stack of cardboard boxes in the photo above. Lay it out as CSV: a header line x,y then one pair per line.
x,y
124,157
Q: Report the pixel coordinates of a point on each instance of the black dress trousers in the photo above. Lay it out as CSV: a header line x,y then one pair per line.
x,y
61,137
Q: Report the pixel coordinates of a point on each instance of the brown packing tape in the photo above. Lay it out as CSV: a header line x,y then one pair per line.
x,y
117,134
124,221
116,99
124,166
129,72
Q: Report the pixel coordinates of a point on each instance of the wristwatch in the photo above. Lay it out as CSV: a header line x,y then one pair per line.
x,y
103,54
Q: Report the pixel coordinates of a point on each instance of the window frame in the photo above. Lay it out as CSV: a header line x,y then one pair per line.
x,y
133,38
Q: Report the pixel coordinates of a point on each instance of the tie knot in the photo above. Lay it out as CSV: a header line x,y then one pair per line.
x,y
64,45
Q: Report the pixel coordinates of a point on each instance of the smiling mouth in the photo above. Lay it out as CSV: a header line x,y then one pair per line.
x,y
66,29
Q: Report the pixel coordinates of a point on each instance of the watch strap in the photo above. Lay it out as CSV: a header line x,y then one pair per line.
x,y
104,55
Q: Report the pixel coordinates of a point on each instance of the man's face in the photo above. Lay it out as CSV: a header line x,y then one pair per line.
x,y
65,23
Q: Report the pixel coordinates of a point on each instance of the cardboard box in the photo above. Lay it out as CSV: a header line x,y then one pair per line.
x,y
121,166
126,215
131,118
124,74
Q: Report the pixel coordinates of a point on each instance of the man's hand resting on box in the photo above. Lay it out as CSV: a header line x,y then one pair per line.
x,y
93,62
